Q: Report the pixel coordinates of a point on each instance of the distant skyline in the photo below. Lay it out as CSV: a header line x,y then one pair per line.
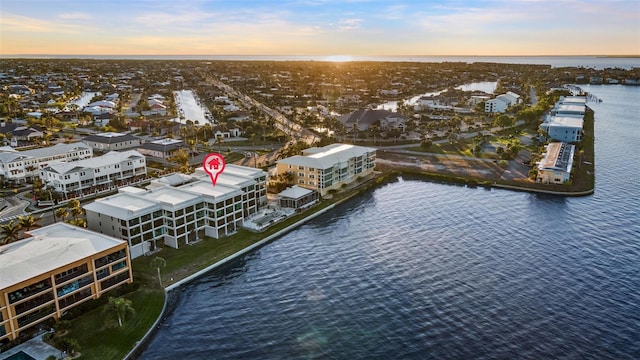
x,y
339,28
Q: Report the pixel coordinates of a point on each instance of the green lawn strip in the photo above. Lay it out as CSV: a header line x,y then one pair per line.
x,y
101,338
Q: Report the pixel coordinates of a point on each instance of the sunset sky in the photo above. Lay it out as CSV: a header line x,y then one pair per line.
x,y
320,27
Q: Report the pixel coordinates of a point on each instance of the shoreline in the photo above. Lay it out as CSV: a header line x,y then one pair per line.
x,y
170,290
378,179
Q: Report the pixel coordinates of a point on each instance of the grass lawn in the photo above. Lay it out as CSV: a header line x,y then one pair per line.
x,y
100,339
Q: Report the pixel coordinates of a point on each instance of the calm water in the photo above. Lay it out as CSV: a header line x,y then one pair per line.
x,y
416,270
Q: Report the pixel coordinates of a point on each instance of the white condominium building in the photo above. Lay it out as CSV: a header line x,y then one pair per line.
x,y
180,209
326,168
17,166
107,169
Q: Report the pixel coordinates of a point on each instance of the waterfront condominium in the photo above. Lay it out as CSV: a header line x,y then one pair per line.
x,y
106,170
180,209
566,120
555,166
58,267
18,166
329,167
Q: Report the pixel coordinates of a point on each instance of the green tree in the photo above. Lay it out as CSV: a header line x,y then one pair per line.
x,y
9,232
28,221
426,144
73,203
68,345
62,213
181,158
76,212
219,141
503,120
119,307
159,262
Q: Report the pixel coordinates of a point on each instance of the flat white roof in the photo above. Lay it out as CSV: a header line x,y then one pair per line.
x,y
205,187
243,171
131,190
328,156
110,134
566,121
171,196
121,205
574,100
49,248
575,108
166,141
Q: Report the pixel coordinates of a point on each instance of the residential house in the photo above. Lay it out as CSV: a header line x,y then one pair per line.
x,y
19,133
110,141
163,148
57,268
330,167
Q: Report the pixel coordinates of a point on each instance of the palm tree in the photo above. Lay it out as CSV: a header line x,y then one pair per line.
x,y
27,222
62,213
159,262
120,307
219,141
73,203
9,232
75,212
181,158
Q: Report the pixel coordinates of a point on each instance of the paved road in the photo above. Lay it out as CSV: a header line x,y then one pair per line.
x,y
287,126
15,207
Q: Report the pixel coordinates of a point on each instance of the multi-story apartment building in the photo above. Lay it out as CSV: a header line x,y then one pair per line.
x,y
563,128
110,168
17,166
500,103
566,120
111,141
570,106
177,210
330,167
60,266
556,164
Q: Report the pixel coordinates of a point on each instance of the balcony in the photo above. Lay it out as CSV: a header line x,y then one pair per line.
x,y
73,286
33,303
29,291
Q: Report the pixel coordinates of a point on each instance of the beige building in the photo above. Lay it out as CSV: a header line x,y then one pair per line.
x,y
330,167
556,164
60,266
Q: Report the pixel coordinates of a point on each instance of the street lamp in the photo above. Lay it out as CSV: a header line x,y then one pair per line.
x,y
53,206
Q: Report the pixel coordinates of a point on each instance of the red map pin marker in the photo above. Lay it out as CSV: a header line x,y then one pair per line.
x,y
214,165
